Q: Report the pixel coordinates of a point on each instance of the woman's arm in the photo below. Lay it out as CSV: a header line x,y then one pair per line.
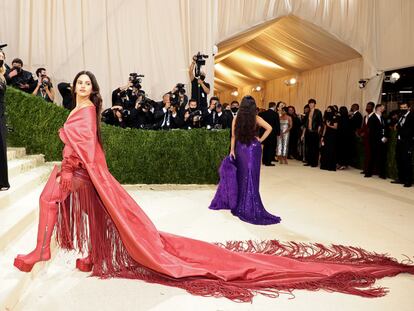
x,y
233,138
266,126
290,124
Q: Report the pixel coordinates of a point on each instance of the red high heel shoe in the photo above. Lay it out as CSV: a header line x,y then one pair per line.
x,y
84,264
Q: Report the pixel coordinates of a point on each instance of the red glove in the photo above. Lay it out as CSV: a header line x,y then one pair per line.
x,y
66,175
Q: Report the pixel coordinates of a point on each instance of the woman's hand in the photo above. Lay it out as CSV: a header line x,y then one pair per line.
x,y
232,154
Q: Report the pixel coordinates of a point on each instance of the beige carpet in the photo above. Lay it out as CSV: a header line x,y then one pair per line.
x,y
315,206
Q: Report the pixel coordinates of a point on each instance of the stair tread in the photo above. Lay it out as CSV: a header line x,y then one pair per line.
x,y
19,209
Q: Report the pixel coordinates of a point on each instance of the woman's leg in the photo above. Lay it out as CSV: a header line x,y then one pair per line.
x,y
51,196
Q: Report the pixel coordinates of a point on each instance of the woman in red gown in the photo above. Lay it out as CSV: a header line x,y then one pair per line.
x,y
94,214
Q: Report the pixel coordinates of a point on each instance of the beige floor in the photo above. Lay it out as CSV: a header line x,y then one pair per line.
x,y
315,206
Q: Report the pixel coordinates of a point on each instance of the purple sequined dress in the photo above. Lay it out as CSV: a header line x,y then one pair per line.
x,y
238,189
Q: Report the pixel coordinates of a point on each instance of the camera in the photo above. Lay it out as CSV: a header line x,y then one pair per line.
x,y
135,80
175,97
18,69
45,82
200,61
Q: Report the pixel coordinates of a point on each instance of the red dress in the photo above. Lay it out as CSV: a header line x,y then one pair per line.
x,y
123,242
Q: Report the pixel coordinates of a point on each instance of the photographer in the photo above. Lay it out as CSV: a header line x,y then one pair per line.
x,y
18,77
179,97
113,116
193,116
123,101
199,88
210,119
167,117
44,88
142,115
65,90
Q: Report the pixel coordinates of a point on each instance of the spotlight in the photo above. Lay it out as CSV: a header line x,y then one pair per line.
x,y
394,77
362,83
235,93
290,82
258,88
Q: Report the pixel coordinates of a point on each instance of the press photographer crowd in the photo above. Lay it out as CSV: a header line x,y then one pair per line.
x,y
328,140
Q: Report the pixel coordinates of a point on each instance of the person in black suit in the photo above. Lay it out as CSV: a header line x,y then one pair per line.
x,y
210,118
377,143
167,118
269,144
4,180
312,129
405,145
355,124
364,134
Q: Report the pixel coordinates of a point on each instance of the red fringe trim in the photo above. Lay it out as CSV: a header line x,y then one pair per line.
x,y
83,223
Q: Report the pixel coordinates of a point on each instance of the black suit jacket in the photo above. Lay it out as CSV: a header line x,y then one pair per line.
x,y
355,121
271,117
405,133
376,129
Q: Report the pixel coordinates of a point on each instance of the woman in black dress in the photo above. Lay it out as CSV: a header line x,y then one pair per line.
x,y
4,180
344,139
328,140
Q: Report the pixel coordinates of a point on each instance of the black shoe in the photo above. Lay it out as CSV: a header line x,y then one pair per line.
x,y
362,172
407,185
306,164
367,175
396,182
383,177
269,164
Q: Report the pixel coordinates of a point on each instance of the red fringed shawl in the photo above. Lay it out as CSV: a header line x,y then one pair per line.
x,y
123,242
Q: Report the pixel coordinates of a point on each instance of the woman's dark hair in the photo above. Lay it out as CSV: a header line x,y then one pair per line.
x,y
95,98
329,115
343,111
245,130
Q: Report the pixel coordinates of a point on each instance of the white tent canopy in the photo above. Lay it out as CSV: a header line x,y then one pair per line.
x,y
158,37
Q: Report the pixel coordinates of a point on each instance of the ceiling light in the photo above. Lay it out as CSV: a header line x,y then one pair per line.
x,y
395,76
291,81
258,88
235,93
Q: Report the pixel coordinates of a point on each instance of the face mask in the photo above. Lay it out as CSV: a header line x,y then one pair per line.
x,y
403,111
234,109
202,77
1,63
193,109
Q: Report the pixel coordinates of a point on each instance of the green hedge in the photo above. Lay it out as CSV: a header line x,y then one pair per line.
x,y
134,156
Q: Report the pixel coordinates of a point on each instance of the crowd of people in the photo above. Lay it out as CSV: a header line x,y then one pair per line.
x,y
330,139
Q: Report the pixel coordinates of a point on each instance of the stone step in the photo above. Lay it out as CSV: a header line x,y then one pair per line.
x,y
16,217
15,153
24,183
24,164
12,281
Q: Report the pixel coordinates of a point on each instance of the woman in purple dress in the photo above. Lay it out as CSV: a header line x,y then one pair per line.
x,y
238,189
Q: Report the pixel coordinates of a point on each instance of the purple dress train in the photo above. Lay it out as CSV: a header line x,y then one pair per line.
x,y
238,189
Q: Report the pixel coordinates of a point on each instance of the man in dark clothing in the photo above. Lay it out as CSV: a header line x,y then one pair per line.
x,y
269,144
377,143
18,77
311,134
199,88
405,145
